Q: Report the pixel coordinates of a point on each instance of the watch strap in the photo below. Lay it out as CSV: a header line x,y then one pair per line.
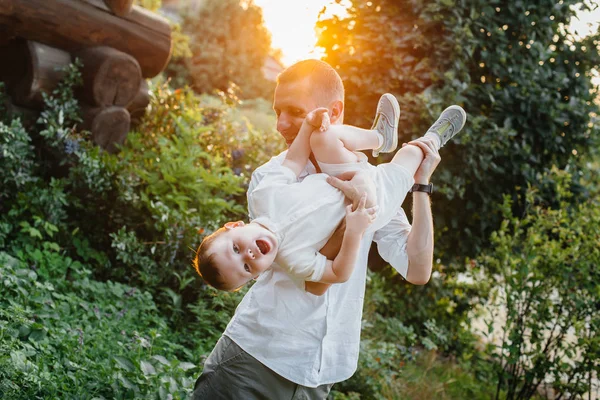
x,y
417,187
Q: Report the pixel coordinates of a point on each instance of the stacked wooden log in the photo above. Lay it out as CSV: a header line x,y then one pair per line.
x,y
119,45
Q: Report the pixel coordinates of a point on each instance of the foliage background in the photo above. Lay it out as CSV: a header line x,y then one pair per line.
x,y
98,297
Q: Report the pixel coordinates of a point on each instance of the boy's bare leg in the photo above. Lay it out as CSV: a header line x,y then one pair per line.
x,y
410,157
337,144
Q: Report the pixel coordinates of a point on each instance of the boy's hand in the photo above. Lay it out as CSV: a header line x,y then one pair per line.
x,y
319,119
358,220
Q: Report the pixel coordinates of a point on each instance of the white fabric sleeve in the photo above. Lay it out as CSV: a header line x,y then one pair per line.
x,y
306,265
264,179
391,242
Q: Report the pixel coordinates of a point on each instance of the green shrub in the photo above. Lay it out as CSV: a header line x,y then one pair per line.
x,y
64,335
543,322
77,219
524,81
230,45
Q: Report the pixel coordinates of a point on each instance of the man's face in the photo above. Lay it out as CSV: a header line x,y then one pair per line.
x,y
243,252
291,103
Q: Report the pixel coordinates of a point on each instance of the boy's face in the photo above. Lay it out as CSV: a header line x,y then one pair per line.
x,y
243,252
291,103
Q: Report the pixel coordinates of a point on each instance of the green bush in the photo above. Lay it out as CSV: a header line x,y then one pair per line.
x,y
80,227
229,45
523,80
543,323
65,335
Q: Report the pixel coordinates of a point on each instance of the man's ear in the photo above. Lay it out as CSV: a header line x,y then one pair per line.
x,y
231,224
337,112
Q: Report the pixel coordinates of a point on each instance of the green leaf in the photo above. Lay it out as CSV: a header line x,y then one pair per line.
x,y
126,383
124,363
186,366
147,368
161,359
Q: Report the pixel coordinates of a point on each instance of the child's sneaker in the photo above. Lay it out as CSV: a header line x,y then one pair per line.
x,y
386,123
450,122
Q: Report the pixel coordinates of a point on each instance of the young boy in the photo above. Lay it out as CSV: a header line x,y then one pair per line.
x,y
237,253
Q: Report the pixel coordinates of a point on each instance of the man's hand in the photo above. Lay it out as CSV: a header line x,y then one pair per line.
x,y
319,119
430,161
359,219
354,184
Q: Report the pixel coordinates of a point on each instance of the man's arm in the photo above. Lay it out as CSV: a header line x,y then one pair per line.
x,y
299,151
419,245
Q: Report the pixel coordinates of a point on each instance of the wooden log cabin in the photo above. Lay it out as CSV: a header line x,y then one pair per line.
x,y
120,45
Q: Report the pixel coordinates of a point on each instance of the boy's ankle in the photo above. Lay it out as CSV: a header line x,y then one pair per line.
x,y
438,140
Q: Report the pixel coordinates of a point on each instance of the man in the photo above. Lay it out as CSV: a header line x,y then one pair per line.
x,y
282,342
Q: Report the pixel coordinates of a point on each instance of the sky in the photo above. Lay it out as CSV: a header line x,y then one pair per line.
x,y
292,24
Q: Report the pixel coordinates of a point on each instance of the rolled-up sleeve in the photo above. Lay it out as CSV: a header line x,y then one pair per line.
x,y
391,242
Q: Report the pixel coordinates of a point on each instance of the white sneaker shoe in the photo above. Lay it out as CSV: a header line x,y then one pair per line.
x,y
450,122
386,123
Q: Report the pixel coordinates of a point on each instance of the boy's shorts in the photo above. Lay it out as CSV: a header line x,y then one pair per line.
x,y
392,183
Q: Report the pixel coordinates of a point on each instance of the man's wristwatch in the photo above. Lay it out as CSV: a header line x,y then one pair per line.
x,y
417,187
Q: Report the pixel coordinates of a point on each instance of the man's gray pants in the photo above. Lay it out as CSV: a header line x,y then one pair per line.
x,y
231,373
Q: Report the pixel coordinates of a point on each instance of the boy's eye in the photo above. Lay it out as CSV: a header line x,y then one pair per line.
x,y
236,249
247,267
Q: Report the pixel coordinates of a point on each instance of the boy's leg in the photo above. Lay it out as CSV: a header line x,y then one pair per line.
x,y
337,144
450,122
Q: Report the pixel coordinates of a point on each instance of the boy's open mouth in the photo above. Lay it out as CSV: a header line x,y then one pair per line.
x,y
263,246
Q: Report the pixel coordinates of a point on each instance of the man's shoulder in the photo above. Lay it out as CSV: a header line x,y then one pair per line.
x,y
274,163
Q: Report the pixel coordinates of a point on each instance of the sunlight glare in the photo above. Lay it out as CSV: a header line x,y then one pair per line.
x,y
292,25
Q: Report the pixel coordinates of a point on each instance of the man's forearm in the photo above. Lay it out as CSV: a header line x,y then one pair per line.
x,y
419,245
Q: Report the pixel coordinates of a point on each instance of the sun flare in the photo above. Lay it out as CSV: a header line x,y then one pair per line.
x,y
292,25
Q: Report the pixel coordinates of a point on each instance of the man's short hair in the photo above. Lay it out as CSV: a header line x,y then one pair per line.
x,y
322,77
205,262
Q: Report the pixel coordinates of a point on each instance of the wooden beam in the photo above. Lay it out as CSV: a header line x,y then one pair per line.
x,y
110,77
43,70
137,108
73,25
119,7
109,126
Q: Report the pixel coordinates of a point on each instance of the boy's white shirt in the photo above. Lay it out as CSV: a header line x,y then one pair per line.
x,y
302,214
311,340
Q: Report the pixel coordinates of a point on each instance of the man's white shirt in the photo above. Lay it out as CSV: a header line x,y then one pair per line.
x,y
311,340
